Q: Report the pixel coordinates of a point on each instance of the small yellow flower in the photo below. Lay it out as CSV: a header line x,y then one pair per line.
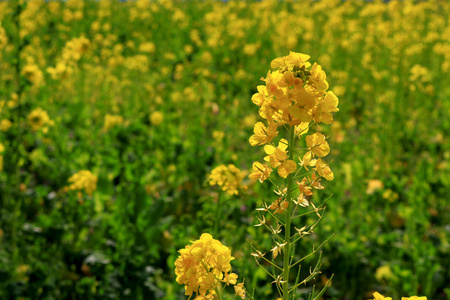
x,y
239,290
263,134
324,170
156,118
83,180
260,171
384,272
38,118
378,296
111,121
147,47
317,144
5,124
276,155
373,185
229,178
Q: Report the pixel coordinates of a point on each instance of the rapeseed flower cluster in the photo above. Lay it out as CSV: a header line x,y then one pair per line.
x,y
156,118
378,296
203,266
83,179
111,121
295,96
228,178
39,119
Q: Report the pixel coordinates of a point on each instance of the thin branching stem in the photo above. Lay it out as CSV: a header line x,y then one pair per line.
x,y
287,228
313,252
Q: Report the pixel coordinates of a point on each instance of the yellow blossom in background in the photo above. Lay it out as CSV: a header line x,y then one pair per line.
x,y
83,180
33,73
75,49
111,121
38,119
378,296
2,149
5,124
202,265
373,185
3,38
228,178
156,118
60,72
384,273
147,47
218,135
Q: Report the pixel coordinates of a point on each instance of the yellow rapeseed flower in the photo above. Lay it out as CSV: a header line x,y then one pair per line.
x,y
202,265
229,178
111,121
378,296
260,171
38,119
5,124
156,118
317,144
83,180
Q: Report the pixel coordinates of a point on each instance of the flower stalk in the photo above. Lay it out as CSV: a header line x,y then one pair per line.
x,y
286,263
294,97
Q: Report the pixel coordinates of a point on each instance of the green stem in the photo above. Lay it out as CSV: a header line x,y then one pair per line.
x,y
287,227
219,291
217,215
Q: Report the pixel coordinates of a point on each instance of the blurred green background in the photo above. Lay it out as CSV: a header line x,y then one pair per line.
x,y
149,96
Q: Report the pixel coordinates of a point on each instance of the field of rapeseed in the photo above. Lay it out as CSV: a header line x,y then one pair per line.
x,y
225,149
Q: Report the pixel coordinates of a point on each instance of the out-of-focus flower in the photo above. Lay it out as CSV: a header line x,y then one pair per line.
x,y
38,119
229,178
83,179
156,118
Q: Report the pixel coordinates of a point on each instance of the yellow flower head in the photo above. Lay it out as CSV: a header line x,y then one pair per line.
x,y
263,134
111,121
156,118
83,180
5,124
317,144
38,118
240,291
229,178
276,155
203,264
260,171
378,296
324,170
